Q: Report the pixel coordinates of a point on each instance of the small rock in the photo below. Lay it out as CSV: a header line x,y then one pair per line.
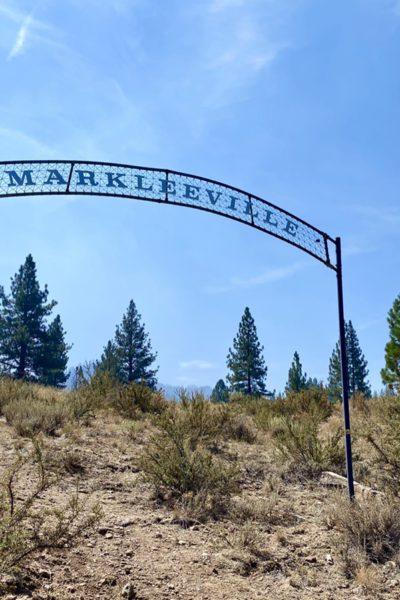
x,y
109,535
329,559
8,580
103,530
129,592
44,574
392,583
311,559
127,522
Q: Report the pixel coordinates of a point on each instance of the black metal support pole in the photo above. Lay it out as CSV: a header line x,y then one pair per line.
x,y
345,375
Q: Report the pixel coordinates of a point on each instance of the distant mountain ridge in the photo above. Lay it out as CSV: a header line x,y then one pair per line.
x,y
171,392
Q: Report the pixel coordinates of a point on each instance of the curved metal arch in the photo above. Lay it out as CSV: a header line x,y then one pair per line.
x,y
40,177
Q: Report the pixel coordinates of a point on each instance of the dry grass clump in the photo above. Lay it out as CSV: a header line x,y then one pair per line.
x,y
248,552
25,527
378,424
29,416
181,468
12,390
370,531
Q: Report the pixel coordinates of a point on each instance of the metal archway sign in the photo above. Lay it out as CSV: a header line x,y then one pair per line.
x,y
39,177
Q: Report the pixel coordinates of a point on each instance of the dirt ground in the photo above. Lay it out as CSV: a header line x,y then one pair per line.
x,y
143,550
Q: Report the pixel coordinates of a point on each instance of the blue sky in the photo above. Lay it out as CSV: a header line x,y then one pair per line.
x,y
296,101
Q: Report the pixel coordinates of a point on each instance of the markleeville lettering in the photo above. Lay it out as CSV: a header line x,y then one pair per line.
x,y
38,177
163,186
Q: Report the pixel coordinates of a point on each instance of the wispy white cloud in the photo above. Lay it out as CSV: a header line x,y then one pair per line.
x,y
238,48
237,42
21,38
203,365
31,30
264,278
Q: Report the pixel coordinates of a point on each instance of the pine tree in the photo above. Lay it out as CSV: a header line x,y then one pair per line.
x,y
357,364
129,356
248,371
220,392
54,356
357,367
314,383
109,360
296,380
391,372
335,374
23,328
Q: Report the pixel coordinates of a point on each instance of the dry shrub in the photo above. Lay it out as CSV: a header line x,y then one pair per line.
x,y
370,530
248,552
260,509
379,426
314,401
12,390
241,428
261,410
25,528
135,399
136,431
183,471
91,393
202,420
29,416
368,578
299,442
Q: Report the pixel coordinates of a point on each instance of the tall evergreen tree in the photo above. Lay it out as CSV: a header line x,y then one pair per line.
x,y
335,374
357,366
297,381
129,355
220,392
109,361
245,361
24,333
391,372
54,356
